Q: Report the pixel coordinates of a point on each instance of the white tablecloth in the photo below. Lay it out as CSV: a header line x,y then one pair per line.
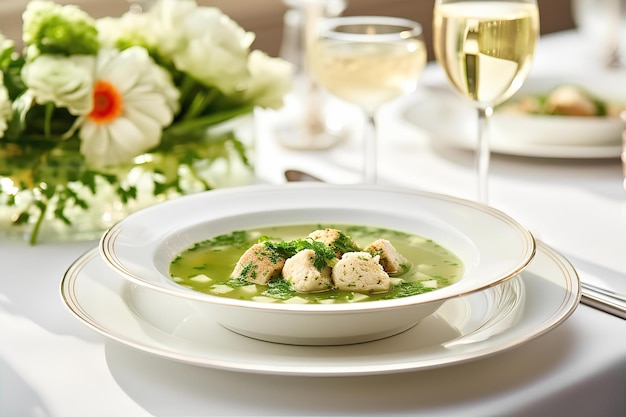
x,y
51,365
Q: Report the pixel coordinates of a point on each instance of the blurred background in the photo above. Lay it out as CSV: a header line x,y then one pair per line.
x,y
265,17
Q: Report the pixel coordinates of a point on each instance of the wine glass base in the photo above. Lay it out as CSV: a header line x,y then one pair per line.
x,y
301,137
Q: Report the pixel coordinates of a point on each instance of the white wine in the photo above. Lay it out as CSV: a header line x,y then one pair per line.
x,y
486,47
367,74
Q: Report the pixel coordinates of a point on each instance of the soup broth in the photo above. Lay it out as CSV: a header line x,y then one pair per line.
x,y
206,267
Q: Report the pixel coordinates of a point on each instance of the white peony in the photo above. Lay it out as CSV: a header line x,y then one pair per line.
x,y
64,81
166,20
132,104
270,80
203,42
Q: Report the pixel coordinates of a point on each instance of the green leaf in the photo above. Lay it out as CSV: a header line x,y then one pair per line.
x,y
160,188
22,218
59,214
240,149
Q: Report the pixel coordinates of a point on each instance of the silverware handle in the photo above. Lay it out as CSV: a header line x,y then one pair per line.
x,y
603,300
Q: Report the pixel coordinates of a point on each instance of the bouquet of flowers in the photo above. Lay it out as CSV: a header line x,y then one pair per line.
x,y
87,100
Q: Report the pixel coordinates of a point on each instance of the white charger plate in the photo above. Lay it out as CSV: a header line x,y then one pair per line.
x,y
466,328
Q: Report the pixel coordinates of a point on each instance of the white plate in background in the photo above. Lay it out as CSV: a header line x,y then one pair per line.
x,y
450,120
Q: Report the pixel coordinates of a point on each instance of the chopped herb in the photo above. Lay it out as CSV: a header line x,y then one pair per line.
x,y
344,244
280,289
248,271
406,289
323,254
237,238
237,282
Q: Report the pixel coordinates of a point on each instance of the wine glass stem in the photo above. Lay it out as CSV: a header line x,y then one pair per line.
x,y
483,153
370,161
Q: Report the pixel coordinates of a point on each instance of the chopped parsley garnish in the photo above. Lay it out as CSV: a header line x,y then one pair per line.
x,y
344,244
237,238
248,273
279,288
406,289
237,282
287,249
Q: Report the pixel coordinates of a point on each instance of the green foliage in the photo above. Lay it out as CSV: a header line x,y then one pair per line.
x,y
53,170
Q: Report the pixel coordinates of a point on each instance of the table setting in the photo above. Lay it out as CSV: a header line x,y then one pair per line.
x,y
520,311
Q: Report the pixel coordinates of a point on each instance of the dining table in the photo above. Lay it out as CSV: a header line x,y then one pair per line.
x,y
572,200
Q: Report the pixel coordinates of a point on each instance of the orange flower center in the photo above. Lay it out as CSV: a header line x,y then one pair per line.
x,y
107,103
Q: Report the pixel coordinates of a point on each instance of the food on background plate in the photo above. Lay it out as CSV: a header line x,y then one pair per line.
x,y
565,100
330,264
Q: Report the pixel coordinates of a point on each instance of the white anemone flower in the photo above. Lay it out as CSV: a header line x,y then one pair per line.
x,y
132,104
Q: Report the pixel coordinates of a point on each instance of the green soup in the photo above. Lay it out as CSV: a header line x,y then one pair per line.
x,y
206,267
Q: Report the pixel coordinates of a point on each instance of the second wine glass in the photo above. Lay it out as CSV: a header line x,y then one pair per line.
x,y
368,61
486,49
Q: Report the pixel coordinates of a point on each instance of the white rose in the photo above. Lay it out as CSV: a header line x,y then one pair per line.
x,y
65,81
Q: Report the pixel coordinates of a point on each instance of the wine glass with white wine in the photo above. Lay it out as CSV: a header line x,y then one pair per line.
x,y
367,61
486,49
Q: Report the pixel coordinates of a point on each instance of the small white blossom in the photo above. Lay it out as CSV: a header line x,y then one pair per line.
x,y
131,28
5,108
132,104
64,81
6,43
270,80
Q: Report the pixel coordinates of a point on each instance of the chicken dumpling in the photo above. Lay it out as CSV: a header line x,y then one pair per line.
x,y
302,274
360,272
334,239
258,265
390,259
